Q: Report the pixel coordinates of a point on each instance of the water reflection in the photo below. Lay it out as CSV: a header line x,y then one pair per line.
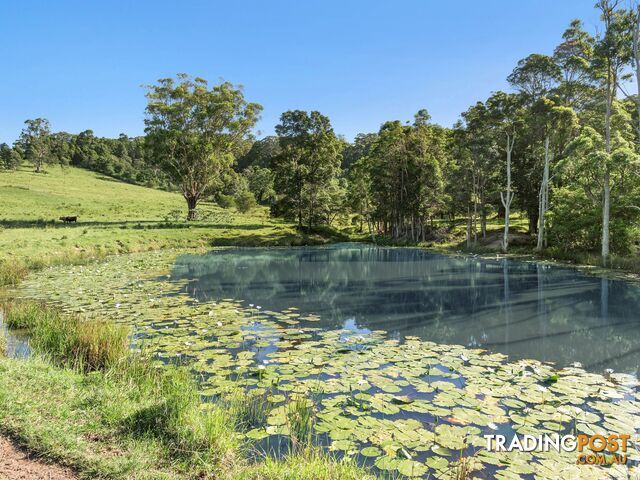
x,y
524,310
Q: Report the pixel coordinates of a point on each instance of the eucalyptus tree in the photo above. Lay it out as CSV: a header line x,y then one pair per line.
x,y
479,137
573,56
504,109
582,172
10,158
193,132
535,76
556,123
612,53
35,142
309,159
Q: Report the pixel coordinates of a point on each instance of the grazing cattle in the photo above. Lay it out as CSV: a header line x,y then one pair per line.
x,y
69,219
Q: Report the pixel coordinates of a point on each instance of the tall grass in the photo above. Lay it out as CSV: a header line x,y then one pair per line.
x,y
69,340
13,271
311,464
3,343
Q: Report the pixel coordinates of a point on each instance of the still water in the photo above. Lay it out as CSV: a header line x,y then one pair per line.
x,y
525,310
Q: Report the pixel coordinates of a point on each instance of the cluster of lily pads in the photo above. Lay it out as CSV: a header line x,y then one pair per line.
x,y
403,406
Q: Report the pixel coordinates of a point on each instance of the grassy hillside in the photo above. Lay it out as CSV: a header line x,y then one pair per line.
x,y
113,217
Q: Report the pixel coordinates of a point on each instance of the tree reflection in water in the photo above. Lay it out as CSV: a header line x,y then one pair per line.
x,y
522,309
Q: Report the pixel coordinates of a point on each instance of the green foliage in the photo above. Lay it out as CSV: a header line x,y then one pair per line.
x,y
404,170
245,201
260,182
193,132
10,158
225,201
261,154
309,159
35,142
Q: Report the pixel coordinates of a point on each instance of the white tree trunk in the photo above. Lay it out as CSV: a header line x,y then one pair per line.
x,y
507,198
606,194
544,197
636,61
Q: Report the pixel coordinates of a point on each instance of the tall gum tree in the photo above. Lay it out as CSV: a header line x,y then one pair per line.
x,y
503,109
612,53
556,124
35,142
194,132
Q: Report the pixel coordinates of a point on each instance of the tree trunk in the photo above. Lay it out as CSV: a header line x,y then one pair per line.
x,y
544,197
636,62
192,202
508,197
606,194
468,227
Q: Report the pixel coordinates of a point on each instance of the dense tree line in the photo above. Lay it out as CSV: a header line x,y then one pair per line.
x,y
561,148
124,158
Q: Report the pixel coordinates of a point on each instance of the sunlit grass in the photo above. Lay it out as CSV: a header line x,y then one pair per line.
x,y
69,340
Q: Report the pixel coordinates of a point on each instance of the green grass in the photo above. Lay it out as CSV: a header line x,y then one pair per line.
x,y
139,423
114,217
87,402
69,340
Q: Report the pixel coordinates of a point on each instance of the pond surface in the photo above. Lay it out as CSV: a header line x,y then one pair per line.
x,y
376,348
524,310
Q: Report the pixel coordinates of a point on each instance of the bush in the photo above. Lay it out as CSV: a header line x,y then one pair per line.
x,y
245,201
225,201
575,224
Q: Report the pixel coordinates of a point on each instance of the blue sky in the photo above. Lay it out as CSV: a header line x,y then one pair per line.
x,y
81,64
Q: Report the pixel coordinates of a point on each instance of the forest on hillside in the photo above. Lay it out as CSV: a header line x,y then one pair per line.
x,y
560,148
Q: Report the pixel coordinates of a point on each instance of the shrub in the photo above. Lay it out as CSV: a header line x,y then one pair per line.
x,y
245,201
225,201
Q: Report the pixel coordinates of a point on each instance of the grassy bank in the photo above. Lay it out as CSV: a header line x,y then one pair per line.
x,y
114,217
86,403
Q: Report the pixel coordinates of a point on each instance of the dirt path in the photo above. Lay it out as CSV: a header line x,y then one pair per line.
x,y
16,464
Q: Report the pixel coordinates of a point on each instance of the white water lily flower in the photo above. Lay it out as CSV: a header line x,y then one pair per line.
x,y
609,371
117,305
266,362
251,305
362,381
464,358
219,324
492,426
211,313
261,367
258,307
541,388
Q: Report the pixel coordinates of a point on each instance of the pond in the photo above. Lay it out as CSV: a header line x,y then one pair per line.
x,y
521,309
396,357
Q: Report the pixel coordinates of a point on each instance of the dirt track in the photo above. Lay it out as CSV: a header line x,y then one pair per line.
x,y
16,464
